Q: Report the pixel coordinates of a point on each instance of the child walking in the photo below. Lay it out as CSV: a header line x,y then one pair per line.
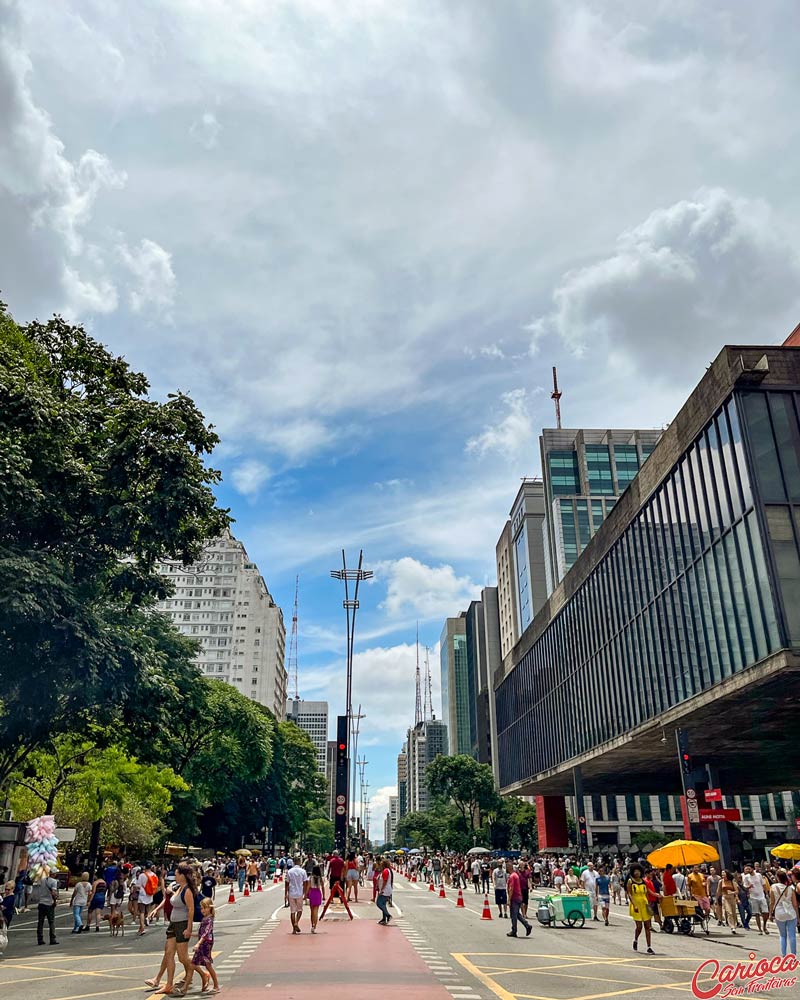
x,y
202,959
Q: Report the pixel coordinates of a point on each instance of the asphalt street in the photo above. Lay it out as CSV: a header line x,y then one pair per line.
x,y
431,949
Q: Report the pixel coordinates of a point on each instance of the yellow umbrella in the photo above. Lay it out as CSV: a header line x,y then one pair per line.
x,y
788,852
682,852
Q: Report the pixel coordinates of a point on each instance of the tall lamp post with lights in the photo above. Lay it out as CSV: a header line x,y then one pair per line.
x,y
352,580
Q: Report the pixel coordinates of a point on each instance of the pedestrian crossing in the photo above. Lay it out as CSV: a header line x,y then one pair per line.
x,y
440,967
239,955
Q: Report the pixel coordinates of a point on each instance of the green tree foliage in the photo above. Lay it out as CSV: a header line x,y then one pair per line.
x,y
464,782
98,482
318,835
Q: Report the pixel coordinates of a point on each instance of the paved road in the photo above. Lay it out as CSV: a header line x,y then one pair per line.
x,y
432,950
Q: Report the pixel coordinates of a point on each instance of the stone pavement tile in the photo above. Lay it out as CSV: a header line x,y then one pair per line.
x,y
357,959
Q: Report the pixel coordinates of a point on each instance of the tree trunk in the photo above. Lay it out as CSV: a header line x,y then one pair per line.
x,y
94,846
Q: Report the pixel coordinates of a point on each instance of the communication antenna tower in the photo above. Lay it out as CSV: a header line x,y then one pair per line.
x,y
292,671
429,687
418,716
556,396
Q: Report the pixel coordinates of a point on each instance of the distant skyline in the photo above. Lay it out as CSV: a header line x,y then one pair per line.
x,y
360,234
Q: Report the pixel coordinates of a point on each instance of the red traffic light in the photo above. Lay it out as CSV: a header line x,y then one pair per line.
x,y
342,746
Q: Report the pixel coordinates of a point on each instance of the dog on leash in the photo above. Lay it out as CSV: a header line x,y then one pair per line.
x,y
116,923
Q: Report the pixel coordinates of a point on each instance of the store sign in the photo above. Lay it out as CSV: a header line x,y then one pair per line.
x,y
713,795
720,815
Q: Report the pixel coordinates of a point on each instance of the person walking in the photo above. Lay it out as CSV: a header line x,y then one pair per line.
x,y
500,879
352,876
202,957
179,929
46,898
639,909
728,897
97,903
514,890
753,882
475,868
783,909
148,887
385,888
316,883
296,885
603,892
241,872
252,874
116,891
78,901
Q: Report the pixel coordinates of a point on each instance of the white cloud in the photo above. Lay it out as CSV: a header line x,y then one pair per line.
x,y
711,270
205,130
378,808
513,435
153,277
249,476
429,592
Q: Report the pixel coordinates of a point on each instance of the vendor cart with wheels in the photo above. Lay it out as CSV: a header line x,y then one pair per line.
x,y
572,910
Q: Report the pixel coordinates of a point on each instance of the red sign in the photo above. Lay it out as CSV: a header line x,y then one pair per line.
x,y
718,815
713,795
797,823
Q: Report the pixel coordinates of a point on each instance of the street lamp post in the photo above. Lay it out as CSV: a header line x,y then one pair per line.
x,y
350,605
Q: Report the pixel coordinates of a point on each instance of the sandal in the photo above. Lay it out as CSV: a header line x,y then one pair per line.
x,y
152,984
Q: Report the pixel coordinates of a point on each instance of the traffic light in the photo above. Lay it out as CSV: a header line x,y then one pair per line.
x,y
341,754
686,764
687,768
583,834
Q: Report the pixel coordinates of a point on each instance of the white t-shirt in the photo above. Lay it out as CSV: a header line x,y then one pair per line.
x,y
296,877
537,867
680,881
500,878
754,883
589,879
142,881
782,898
476,867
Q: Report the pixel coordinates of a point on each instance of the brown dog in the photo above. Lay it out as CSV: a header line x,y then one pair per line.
x,y
116,923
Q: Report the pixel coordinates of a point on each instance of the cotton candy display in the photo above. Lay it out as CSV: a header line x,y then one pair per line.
x,y
42,846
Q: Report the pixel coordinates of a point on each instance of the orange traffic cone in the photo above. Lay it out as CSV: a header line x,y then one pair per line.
x,y
246,889
460,900
414,877
441,891
487,913
430,887
259,889
274,879
231,897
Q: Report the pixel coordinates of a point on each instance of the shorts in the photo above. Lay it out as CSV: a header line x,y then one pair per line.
x,y
352,875
177,929
558,880
605,901
526,895
758,905
500,897
295,904
144,908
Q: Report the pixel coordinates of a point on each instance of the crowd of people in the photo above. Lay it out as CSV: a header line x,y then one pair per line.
x,y
764,893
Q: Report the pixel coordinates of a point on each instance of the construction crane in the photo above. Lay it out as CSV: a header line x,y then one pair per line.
x,y
292,664
555,395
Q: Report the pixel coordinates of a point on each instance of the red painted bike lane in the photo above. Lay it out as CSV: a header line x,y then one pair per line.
x,y
358,959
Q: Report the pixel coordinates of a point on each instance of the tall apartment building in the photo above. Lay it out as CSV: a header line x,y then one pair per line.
x,y
402,782
390,823
426,741
223,601
520,554
458,686
584,471
483,659
312,717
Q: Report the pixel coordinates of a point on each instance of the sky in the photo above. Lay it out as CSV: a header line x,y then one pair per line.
x,y
361,232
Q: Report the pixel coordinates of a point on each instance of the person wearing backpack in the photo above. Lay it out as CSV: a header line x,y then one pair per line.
x,y
148,887
116,892
46,892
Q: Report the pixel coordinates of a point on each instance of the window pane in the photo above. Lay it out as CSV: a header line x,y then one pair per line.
x,y
779,527
784,421
765,457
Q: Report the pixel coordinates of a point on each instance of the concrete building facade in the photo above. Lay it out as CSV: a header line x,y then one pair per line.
x,y
224,603
312,718
402,782
390,823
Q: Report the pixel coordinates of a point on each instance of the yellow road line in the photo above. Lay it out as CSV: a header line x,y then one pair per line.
x,y
496,988
102,993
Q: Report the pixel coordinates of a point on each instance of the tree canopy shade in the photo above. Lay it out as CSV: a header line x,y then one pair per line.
x,y
98,483
464,782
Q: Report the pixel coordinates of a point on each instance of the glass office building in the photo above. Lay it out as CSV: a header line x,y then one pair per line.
x,y
584,473
458,686
695,580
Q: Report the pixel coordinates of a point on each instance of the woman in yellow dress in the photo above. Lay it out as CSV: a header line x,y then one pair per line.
x,y
636,888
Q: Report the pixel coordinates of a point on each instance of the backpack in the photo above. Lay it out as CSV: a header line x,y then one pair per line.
x,y
119,892
151,885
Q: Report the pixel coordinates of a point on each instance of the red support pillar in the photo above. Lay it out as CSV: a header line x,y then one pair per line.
x,y
551,821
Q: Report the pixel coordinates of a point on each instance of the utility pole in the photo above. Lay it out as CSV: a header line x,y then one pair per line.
x,y
418,716
292,665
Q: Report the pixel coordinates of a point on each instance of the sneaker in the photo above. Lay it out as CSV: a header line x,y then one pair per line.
x,y
635,945
511,934
650,951
528,930
382,923
54,942
606,923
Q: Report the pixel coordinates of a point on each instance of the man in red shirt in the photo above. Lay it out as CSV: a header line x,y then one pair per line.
x,y
670,889
515,901
335,869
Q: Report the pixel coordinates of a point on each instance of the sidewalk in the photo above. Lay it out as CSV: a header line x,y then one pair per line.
x,y
358,959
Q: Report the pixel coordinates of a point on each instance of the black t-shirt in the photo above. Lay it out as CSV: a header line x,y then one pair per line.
x,y
207,884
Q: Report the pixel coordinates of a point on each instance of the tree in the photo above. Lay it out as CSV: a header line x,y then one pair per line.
x,y
319,834
464,782
643,837
98,482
